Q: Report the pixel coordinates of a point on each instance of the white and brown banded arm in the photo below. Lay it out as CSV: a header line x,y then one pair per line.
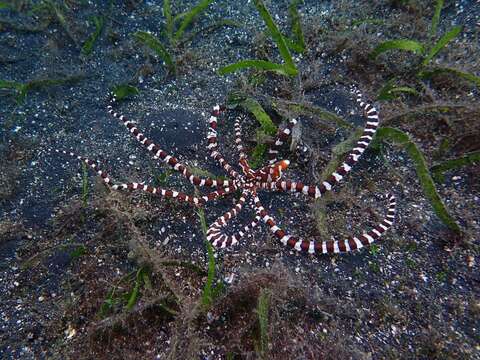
x,y
162,155
242,156
212,143
158,191
350,161
238,137
216,234
329,246
281,138
221,240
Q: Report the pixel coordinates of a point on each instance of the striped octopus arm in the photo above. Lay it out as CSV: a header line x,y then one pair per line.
x,y
351,159
216,234
281,138
329,246
178,195
159,153
242,156
213,144
238,137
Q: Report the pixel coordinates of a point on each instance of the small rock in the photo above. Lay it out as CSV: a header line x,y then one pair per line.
x,y
470,261
70,331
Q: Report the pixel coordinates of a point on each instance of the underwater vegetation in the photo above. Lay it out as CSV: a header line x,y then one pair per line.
x,y
423,69
175,32
389,92
21,90
284,44
249,182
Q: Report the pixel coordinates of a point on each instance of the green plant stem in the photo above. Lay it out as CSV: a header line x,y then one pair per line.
x,y
444,40
87,47
22,89
439,169
296,25
319,207
27,263
54,8
132,300
424,177
276,35
19,28
287,69
207,294
436,17
254,107
123,91
167,12
185,264
259,65
428,74
257,157
153,43
339,151
309,109
439,107
399,44
189,17
369,21
389,91
262,312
